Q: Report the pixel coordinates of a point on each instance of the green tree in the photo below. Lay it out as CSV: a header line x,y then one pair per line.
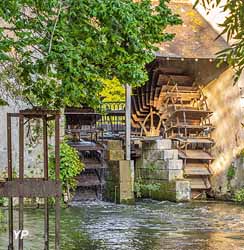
x,y
113,91
55,52
233,27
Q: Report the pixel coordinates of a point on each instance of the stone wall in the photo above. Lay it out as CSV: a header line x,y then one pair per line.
x,y
226,101
159,166
33,143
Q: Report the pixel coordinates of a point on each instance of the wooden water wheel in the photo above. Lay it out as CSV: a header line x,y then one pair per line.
x,y
152,123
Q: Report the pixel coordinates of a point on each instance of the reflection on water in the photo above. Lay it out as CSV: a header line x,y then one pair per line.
x,y
147,226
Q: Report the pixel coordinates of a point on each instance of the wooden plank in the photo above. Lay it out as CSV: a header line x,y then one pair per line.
x,y
190,127
195,140
196,169
200,183
179,79
190,114
195,155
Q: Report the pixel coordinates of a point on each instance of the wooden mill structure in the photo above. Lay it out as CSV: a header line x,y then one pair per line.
x,y
84,135
172,103
176,108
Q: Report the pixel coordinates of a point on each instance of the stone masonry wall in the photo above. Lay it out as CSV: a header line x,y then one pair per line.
x,y
226,100
119,176
160,165
33,144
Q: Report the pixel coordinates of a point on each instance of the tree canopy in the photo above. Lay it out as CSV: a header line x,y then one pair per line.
x,y
112,91
233,27
56,52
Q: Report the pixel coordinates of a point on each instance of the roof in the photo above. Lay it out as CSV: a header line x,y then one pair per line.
x,y
195,38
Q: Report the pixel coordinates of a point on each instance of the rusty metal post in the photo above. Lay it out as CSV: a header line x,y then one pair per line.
x,y
57,177
10,176
46,215
21,177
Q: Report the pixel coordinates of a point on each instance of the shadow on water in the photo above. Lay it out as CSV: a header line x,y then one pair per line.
x,y
147,226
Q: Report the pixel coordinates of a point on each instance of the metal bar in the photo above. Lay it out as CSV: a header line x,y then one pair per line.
x,y
57,177
10,176
31,188
46,212
128,122
21,177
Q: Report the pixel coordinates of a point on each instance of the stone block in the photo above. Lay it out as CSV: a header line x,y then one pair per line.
x,y
114,145
175,174
116,155
153,155
159,174
183,190
170,154
175,164
126,182
157,144
166,191
125,171
156,164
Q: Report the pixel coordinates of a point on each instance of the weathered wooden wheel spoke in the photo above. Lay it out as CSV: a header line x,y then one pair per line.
x,y
153,130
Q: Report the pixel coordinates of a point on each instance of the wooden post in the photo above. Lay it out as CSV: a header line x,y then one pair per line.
x,y
128,122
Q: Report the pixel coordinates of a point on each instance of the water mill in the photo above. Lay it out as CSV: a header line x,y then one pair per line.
x,y
121,125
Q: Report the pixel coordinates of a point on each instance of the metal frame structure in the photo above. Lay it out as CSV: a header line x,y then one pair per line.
x,y
22,187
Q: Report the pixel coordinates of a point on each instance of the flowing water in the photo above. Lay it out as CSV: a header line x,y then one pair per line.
x,y
148,225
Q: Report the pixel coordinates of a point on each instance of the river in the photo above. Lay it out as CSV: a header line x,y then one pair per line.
x,y
148,225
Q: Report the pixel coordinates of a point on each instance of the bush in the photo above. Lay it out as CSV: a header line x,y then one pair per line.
x,y
141,187
239,195
2,201
2,222
70,166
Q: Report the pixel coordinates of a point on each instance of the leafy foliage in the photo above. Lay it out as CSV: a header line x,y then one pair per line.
x,y
70,166
2,102
141,187
239,195
3,226
57,51
112,91
3,201
233,27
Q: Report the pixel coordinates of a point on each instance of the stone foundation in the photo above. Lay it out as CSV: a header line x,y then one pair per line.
x,y
119,182
159,165
119,176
